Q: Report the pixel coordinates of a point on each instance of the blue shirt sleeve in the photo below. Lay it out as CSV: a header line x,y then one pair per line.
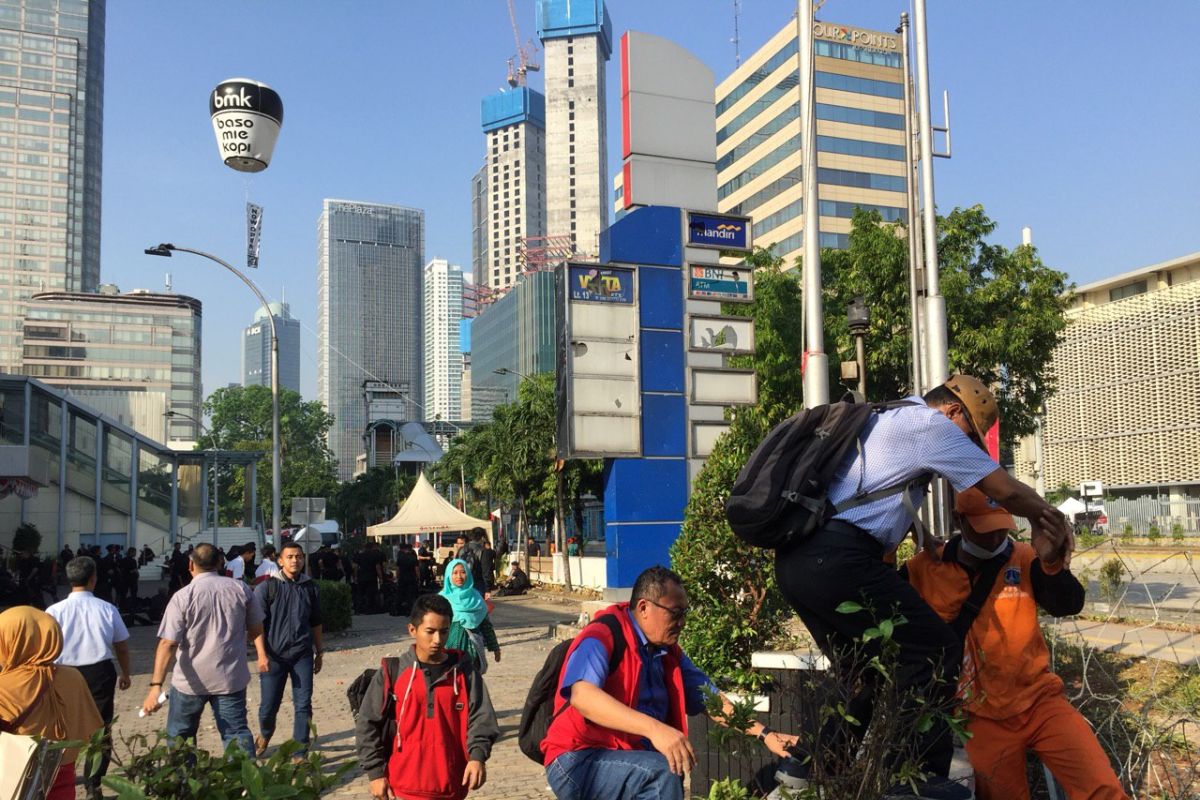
x,y
588,662
948,452
696,685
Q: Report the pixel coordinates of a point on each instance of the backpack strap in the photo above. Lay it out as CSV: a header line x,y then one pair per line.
x,y
980,589
614,658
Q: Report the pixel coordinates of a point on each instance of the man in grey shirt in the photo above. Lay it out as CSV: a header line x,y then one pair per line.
x,y
206,625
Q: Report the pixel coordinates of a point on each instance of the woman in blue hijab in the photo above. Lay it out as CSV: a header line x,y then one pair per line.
x,y
470,631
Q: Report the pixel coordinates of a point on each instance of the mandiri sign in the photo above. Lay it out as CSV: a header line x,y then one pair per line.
x,y
718,231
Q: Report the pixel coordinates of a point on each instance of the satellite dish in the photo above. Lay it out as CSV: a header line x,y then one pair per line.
x,y
246,117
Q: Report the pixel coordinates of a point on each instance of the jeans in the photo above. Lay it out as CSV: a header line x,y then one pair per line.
x,y
613,775
271,683
229,710
101,679
840,563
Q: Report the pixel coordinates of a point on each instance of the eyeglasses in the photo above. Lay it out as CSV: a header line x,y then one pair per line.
x,y
678,613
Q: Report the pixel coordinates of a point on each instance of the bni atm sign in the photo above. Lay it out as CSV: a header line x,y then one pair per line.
x,y
718,231
727,284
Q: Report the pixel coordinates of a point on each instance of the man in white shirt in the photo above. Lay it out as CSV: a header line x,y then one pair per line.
x,y
242,560
93,632
269,568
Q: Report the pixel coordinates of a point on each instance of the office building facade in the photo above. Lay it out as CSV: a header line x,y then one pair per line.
x,y
370,261
256,349
480,218
443,341
861,160
133,356
515,334
1127,407
51,125
514,191
576,37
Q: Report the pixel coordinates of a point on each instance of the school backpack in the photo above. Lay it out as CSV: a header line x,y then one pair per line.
x,y
538,712
780,494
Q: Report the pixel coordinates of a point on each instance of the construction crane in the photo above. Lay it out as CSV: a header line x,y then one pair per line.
x,y
521,64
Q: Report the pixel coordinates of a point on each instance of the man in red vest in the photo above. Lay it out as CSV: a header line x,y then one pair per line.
x,y
622,734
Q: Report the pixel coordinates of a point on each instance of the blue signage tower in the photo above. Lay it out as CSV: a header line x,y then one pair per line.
x,y
644,498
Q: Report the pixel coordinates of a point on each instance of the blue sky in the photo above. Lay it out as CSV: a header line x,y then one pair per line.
x,y
1075,118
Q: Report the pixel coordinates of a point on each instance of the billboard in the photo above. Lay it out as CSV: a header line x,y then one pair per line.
x,y
727,284
598,362
718,231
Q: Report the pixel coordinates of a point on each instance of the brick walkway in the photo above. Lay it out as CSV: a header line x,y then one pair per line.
x,y
522,625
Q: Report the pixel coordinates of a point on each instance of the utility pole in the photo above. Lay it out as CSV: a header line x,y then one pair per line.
x,y
816,369
915,289
935,304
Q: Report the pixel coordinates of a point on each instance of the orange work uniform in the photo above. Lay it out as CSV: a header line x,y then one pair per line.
x,y
1013,699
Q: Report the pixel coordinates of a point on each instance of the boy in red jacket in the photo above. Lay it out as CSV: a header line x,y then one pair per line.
x,y
426,724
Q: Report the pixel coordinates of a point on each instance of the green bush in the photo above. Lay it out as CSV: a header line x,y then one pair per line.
x,y
1087,539
336,606
182,771
1177,533
1127,533
1112,576
1154,534
26,538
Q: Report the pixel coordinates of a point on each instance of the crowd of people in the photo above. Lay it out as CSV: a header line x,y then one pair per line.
x,y
619,699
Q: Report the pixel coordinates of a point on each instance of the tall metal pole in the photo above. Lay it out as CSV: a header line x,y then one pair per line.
x,y
935,304
276,459
816,371
916,374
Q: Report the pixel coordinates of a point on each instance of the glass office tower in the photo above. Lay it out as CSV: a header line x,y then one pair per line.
x,y
370,263
51,121
256,348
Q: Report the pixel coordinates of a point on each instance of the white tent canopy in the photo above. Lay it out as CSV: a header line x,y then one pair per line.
x,y
1071,507
426,511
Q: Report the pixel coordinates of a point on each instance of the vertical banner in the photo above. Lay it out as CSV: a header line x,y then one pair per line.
x,y
992,441
254,215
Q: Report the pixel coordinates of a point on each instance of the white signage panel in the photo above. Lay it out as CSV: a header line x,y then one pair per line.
x,y
604,395
724,387
704,436
722,334
611,436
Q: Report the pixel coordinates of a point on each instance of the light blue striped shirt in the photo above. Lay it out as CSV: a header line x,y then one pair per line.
x,y
899,445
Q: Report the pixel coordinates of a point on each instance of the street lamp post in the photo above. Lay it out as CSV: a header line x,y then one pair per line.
x,y
167,249
858,317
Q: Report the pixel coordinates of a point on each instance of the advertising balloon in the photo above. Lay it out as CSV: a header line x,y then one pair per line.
x,y
246,116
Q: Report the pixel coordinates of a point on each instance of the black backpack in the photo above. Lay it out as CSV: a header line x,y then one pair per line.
x,y
779,496
538,712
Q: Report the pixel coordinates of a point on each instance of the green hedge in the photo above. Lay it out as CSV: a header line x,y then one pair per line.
x,y
336,607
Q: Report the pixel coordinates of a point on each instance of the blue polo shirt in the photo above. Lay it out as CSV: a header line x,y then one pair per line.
x,y
589,662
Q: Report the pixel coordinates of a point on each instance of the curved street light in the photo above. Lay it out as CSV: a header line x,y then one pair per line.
x,y
167,250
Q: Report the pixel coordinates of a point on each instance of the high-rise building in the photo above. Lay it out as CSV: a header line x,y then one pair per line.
x,y
860,135
480,217
511,338
256,348
51,123
576,36
133,356
514,125
370,259
443,350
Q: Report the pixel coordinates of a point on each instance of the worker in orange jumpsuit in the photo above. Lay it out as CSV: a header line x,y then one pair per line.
x,y
1014,701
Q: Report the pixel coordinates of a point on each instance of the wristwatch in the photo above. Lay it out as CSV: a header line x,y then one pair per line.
x,y
764,733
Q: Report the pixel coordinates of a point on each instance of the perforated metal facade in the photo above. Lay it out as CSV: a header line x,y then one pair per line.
x,y
1127,410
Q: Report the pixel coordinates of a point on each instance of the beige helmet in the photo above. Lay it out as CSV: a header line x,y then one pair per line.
x,y
977,400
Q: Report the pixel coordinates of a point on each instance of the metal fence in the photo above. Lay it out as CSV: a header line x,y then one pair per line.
x,y
1142,512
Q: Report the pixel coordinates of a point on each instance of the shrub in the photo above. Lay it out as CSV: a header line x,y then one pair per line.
x,y
336,606
1087,539
1112,577
1177,533
1127,533
1154,534
180,770
27,538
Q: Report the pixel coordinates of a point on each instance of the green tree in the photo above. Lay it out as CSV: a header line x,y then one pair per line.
x,y
1004,308
371,497
736,606
241,420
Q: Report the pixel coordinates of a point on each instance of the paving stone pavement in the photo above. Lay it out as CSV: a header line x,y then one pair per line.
x,y
522,626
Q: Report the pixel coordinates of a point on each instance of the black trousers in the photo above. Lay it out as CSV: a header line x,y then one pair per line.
x,y
841,563
101,679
